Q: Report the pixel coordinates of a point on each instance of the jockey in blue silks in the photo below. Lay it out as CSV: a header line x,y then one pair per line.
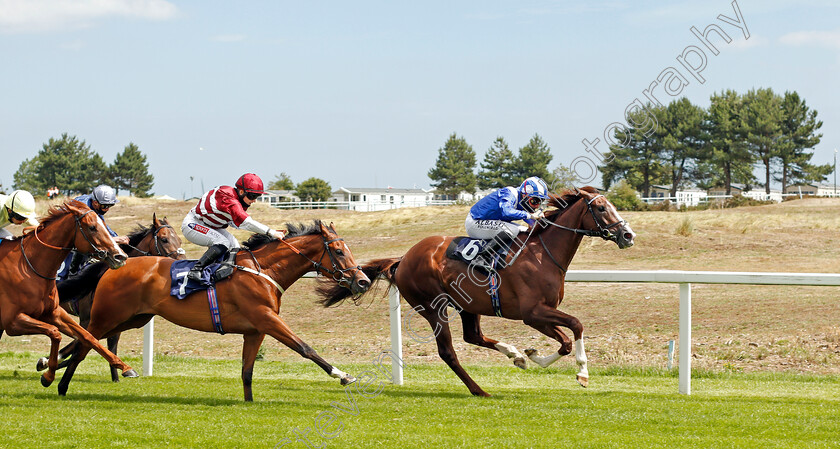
x,y
99,201
491,217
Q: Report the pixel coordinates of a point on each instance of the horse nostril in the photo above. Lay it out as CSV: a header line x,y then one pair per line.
x,y
363,284
628,236
120,257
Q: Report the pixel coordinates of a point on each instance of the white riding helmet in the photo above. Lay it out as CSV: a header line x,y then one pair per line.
x,y
105,195
22,203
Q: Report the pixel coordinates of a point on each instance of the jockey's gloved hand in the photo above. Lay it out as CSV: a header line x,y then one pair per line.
x,y
536,215
523,228
277,234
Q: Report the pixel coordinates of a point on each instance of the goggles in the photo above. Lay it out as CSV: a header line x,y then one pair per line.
x,y
252,196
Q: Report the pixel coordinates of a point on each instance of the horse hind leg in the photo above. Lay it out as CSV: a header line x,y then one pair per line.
x,y
473,335
113,342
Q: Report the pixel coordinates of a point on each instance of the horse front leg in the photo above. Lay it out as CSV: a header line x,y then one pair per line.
x,y
67,325
473,335
23,324
548,321
113,342
271,324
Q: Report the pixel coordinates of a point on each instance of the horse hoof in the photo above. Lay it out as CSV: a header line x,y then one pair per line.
x,y
519,362
42,364
583,381
530,352
130,373
46,382
347,380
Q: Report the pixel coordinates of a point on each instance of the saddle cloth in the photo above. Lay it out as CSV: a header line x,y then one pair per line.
x,y
182,287
466,249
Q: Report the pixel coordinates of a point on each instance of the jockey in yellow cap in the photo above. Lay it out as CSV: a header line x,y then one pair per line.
x,y
18,208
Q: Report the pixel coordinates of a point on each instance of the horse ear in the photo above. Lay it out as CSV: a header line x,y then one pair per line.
x,y
332,226
154,219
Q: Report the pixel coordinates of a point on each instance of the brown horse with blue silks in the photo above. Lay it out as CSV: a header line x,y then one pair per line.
x,y
530,288
247,303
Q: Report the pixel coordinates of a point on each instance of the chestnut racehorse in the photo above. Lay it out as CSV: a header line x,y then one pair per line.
x,y
158,239
248,302
530,289
28,298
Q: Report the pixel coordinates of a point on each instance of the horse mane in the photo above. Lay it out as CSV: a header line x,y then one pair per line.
x,y
295,230
138,234
55,212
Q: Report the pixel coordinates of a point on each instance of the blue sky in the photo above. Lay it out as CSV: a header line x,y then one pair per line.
x,y
363,94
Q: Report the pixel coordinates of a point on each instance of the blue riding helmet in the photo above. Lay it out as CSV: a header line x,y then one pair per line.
x,y
534,187
105,195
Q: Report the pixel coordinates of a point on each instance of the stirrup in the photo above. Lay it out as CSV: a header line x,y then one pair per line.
x,y
195,275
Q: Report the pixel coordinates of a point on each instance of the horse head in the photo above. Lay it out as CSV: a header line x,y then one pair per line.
x,y
93,237
599,217
167,243
604,218
344,269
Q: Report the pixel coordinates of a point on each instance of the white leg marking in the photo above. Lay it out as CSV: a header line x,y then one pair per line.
x,y
512,353
580,358
337,373
545,361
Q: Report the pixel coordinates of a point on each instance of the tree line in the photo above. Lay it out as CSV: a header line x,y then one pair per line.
x,y
455,170
718,146
69,164
312,189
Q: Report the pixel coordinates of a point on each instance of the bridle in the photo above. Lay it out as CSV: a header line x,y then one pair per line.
x,y
604,230
98,253
157,244
337,274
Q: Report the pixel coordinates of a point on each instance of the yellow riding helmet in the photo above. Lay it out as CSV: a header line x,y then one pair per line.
x,y
22,203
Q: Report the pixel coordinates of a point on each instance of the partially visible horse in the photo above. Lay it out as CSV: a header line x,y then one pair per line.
x,y
530,289
248,302
29,300
158,239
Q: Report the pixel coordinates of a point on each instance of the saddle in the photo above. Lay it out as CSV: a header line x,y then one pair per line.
x,y
222,269
471,251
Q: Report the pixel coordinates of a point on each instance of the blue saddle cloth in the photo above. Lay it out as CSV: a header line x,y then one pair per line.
x,y
466,249
178,273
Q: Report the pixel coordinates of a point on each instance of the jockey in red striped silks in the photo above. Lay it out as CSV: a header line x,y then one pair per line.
x,y
216,210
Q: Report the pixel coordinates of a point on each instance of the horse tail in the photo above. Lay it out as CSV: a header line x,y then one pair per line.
x,y
82,283
375,270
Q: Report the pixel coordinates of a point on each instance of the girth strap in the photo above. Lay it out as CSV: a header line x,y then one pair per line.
x,y
214,310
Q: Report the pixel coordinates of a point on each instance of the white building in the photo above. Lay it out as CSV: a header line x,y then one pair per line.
x,y
276,197
816,189
374,199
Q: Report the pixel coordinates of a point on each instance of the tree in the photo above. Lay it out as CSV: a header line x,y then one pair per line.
x,y
564,178
799,136
729,159
282,182
680,128
638,159
533,160
762,119
497,169
453,170
314,189
130,171
67,163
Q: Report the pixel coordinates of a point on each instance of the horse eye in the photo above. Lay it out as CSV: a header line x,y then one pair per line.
x,y
601,208
164,240
92,228
339,252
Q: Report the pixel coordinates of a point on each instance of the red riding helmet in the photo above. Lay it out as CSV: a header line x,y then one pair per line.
x,y
250,183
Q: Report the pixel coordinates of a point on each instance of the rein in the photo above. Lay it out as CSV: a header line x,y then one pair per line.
x,y
603,229
336,273
98,252
157,245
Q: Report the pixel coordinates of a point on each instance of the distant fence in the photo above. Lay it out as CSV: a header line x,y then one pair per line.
x,y
683,278
359,206
696,200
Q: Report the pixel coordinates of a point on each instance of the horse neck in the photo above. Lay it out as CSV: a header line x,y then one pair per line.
x,y
286,266
59,233
564,244
144,244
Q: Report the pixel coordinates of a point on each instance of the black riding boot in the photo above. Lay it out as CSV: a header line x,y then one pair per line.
x,y
207,258
496,245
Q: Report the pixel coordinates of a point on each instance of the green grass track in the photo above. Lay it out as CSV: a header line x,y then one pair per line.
x,y
197,403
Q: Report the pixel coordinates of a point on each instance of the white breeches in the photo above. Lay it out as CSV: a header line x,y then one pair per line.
x,y
201,234
4,234
489,229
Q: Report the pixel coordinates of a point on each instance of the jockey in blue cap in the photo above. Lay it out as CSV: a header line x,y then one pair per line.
x,y
492,216
100,200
